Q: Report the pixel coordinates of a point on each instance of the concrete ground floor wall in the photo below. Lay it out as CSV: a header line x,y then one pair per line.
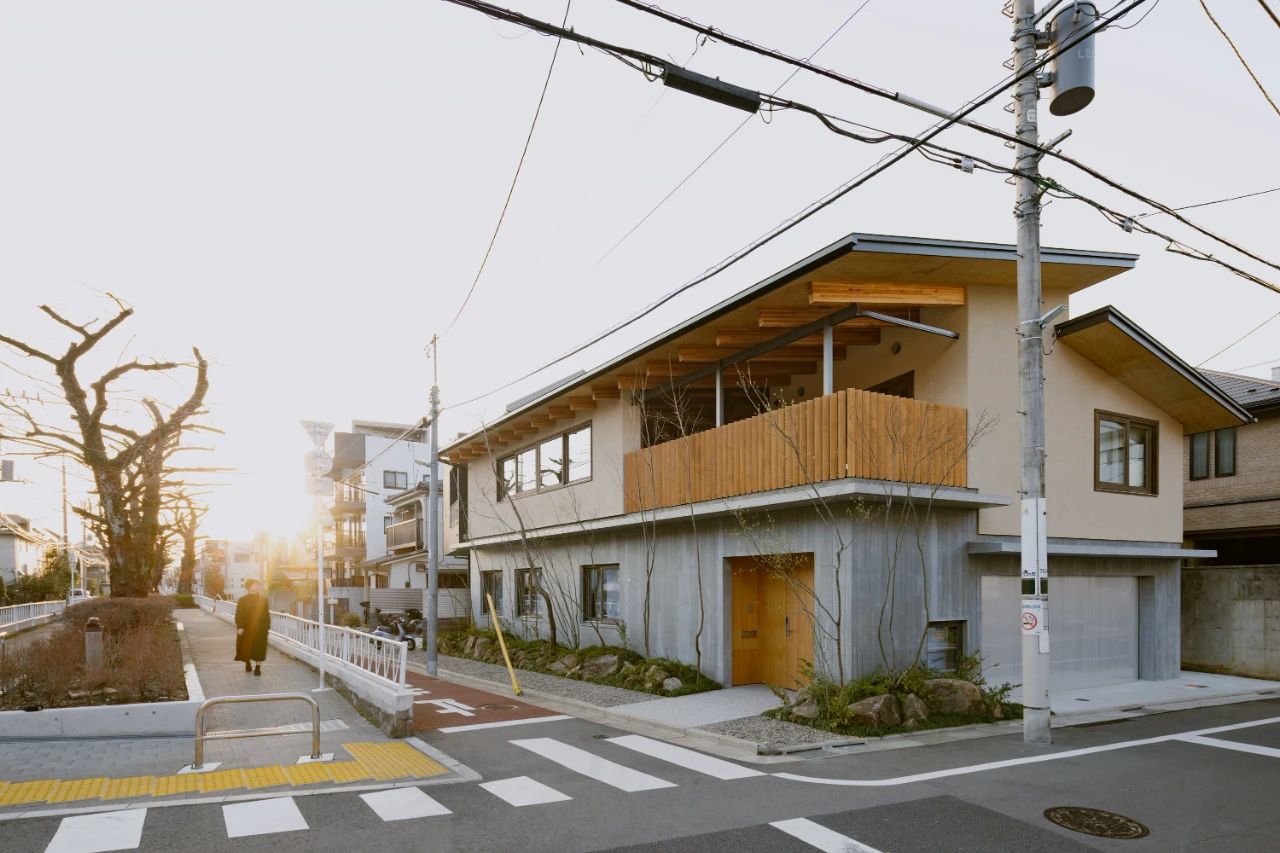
x,y
1231,619
882,575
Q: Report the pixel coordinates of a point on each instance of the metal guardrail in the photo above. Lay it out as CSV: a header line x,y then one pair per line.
x,y
201,736
19,614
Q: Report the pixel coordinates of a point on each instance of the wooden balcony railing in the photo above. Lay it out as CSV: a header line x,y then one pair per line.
x,y
849,433
405,533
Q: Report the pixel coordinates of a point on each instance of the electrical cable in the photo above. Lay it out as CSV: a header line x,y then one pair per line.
x,y
1208,203
1255,364
716,150
1269,12
1240,57
1238,340
514,178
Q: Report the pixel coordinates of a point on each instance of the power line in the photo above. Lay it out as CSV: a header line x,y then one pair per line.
x,y
716,150
1255,364
1264,5
514,178
1239,340
1240,56
1208,203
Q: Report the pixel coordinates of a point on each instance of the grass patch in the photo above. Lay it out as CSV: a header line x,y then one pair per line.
x,y
633,670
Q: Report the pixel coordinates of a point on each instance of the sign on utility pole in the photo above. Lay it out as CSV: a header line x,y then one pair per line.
x,y
318,464
1073,81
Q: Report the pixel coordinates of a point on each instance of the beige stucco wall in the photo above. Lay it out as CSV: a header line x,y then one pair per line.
x,y
614,431
1074,388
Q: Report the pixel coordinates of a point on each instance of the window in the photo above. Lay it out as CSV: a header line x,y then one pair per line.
x,y
398,480
1125,454
1224,453
944,646
386,523
556,461
491,582
527,599
600,593
1200,456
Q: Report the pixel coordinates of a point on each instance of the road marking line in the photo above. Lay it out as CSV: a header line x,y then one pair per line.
x,y
1016,762
473,727
1232,744
260,817
816,835
448,706
593,766
682,757
403,804
523,791
98,833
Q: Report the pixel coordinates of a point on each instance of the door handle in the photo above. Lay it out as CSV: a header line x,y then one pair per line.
x,y
747,635
786,626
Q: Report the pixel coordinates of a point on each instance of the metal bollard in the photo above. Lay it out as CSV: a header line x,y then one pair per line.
x,y
93,647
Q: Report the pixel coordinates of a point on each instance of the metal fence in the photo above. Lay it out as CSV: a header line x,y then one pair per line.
x,y
24,615
385,659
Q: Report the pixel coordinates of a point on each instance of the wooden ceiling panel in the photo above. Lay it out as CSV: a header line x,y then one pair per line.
x,y
844,336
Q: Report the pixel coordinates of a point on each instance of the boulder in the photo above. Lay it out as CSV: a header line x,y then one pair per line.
x,y
671,683
655,675
469,646
914,708
806,710
481,647
600,667
954,696
564,665
997,711
881,712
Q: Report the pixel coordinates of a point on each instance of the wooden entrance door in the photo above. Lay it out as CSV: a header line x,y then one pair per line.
x,y
772,621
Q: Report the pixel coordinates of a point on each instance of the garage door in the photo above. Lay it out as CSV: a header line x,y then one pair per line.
x,y
1093,622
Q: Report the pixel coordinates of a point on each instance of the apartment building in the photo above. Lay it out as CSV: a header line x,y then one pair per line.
x,y
824,468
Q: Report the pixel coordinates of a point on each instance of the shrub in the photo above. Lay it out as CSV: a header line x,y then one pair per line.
x,y
183,600
350,620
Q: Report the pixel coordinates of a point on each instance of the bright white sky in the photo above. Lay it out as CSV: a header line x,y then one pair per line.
x,y
304,190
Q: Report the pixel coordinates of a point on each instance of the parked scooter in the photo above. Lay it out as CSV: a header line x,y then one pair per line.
x,y
397,630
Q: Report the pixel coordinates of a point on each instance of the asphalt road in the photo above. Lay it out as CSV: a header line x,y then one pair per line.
x,y
590,787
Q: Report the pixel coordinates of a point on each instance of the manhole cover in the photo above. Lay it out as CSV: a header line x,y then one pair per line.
x,y
497,706
600,736
1095,822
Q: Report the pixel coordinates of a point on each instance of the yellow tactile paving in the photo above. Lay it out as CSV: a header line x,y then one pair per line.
x,y
381,761
164,786
71,790
130,787
21,793
265,777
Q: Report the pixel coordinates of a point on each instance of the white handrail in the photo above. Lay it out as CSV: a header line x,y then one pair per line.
x,y
384,659
16,615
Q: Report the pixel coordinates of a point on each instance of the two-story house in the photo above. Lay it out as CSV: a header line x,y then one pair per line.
x,y
1231,602
824,469
22,547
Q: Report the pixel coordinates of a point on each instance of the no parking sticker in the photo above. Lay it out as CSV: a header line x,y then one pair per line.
x,y
1033,613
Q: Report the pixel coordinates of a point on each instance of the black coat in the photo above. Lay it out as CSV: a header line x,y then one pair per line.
x,y
253,614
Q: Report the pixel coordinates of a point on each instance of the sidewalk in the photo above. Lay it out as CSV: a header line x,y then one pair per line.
x,y
83,771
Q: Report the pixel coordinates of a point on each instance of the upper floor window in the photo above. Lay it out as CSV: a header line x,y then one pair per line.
x,y
398,480
1224,453
556,461
1124,454
1199,456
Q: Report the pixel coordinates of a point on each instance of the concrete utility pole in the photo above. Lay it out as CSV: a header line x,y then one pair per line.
x,y
434,539
1035,644
66,540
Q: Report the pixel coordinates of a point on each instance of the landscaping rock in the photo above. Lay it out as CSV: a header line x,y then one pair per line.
x,y
914,708
671,683
480,647
954,696
806,710
911,725
997,711
882,712
655,675
469,646
600,667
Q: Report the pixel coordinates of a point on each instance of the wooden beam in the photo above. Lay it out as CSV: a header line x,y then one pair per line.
x,y
764,364
559,412
837,293
630,382
582,404
845,336
803,352
789,318
605,392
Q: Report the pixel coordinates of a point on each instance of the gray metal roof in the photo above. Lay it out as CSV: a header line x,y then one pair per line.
x,y
1250,392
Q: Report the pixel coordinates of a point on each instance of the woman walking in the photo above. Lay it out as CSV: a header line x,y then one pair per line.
x,y
253,621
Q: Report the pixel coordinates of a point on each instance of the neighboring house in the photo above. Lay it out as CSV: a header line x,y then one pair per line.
x,y
825,467
1231,602
240,562
22,546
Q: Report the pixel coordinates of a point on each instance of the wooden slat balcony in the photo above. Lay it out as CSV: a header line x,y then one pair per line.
x,y
850,433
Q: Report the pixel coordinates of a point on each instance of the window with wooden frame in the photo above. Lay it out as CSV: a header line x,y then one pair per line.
x,y
1124,458
600,594
528,601
1224,452
557,461
1199,468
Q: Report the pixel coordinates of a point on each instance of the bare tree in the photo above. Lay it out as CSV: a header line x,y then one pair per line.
x,y
187,515
128,461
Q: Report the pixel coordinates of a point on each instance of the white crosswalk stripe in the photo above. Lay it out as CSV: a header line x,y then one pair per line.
x,y
523,791
687,758
262,817
403,804
821,838
99,833
593,766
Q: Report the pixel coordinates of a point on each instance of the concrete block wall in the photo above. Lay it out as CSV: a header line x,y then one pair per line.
x,y
1231,620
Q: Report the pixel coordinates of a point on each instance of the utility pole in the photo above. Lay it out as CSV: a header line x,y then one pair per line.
x,y
66,540
434,539
1035,643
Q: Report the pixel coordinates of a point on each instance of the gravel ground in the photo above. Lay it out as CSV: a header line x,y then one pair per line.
x,y
600,695
765,730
